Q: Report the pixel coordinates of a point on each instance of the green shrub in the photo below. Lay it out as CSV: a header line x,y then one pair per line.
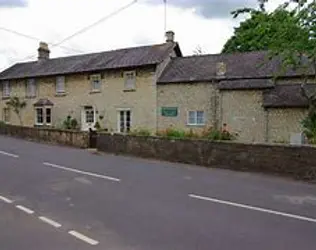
x,y
70,123
97,126
2,123
175,133
309,126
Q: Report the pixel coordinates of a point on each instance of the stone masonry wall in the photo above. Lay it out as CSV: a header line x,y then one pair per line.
x,y
243,113
142,102
292,161
54,136
284,122
188,97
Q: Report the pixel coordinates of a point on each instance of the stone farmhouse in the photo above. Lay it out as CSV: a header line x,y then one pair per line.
x,y
155,87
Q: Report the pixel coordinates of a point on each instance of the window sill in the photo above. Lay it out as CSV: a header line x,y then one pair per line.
x,y
196,125
61,94
129,90
95,91
30,97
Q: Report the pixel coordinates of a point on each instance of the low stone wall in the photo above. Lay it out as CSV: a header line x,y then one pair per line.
x,y
54,136
298,162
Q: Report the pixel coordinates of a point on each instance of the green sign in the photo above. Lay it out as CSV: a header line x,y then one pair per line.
x,y
169,111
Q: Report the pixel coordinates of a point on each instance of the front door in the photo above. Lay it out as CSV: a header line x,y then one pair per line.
x,y
88,118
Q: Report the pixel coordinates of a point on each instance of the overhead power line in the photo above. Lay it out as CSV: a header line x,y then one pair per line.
x,y
96,23
85,29
34,38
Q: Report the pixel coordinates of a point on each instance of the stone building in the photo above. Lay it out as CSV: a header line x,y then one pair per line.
x,y
155,87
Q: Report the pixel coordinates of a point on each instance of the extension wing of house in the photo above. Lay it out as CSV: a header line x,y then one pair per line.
x,y
154,87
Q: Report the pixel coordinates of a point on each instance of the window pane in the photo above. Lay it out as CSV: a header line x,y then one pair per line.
x,y
6,89
96,82
39,116
200,117
30,88
192,117
48,116
6,114
130,80
60,84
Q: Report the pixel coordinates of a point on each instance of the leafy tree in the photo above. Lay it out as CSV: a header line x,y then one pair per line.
x,y
264,31
17,105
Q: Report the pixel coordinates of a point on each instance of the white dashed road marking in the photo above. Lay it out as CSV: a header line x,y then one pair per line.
x,y
25,209
50,222
9,154
83,238
82,172
5,199
259,209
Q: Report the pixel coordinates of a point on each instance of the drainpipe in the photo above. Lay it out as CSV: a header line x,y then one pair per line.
x,y
266,114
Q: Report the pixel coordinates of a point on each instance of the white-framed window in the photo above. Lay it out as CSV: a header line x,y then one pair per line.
x,y
60,85
95,82
130,80
6,115
6,89
124,121
43,116
89,115
30,88
196,118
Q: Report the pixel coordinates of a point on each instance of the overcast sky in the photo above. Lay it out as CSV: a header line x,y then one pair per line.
x,y
204,23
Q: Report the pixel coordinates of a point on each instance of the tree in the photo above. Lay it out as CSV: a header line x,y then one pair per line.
x,y
262,30
17,105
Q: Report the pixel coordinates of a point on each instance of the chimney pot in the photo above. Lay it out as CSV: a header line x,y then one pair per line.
x,y
43,51
170,36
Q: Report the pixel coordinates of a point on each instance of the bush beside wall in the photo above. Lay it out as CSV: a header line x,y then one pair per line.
x,y
298,162
54,136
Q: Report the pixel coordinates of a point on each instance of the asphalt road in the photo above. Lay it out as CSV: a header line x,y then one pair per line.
x,y
62,198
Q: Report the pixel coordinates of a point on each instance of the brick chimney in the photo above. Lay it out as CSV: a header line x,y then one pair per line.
x,y
43,52
170,36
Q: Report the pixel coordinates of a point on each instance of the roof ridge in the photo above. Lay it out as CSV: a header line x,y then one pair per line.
x,y
95,53
223,54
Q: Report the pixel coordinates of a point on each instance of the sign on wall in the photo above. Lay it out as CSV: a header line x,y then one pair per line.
x,y
169,111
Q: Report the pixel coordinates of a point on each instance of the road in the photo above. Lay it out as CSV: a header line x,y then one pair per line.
x,y
55,197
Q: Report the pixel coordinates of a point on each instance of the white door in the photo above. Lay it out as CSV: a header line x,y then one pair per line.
x,y
88,118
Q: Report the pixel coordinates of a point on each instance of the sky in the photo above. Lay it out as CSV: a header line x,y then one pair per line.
x,y
207,24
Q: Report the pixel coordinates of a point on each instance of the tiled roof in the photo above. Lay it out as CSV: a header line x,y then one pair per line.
x,y
243,84
287,96
122,58
43,102
238,66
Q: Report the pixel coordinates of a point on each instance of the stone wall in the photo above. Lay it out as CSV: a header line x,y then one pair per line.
x,y
188,97
54,136
284,122
243,113
113,96
293,161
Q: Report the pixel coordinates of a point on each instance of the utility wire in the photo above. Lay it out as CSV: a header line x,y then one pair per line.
x,y
96,23
89,26
34,38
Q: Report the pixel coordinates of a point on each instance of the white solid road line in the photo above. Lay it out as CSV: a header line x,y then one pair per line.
x,y
83,238
50,222
81,172
25,209
259,209
9,154
5,199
